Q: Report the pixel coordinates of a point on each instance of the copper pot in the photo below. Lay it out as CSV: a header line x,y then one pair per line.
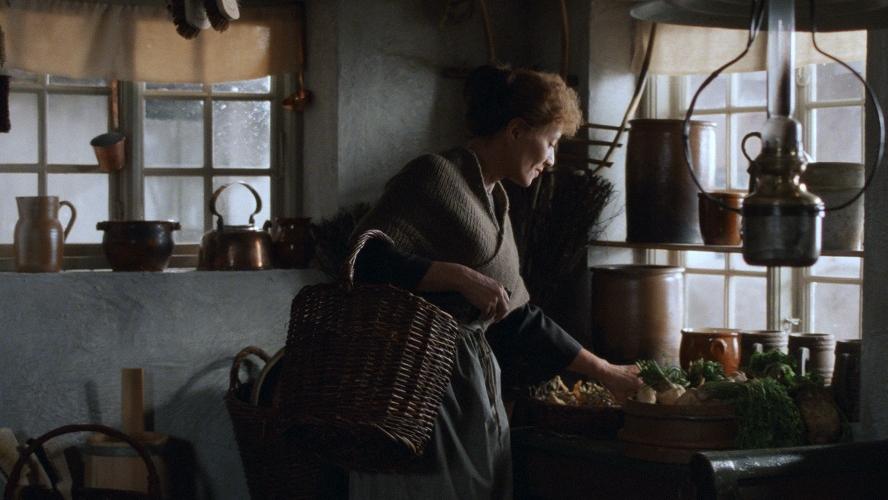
x,y
712,344
138,245
235,248
720,226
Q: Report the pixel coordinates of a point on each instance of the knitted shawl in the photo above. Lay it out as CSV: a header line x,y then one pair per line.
x,y
436,207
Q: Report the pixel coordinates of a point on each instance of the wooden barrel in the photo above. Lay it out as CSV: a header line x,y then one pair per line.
x,y
114,465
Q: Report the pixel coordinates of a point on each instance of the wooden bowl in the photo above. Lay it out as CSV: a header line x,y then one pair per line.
x,y
673,433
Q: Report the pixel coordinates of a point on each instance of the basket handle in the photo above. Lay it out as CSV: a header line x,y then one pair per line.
x,y
233,382
35,444
348,268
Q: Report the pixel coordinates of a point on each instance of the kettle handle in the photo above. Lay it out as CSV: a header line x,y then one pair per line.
x,y
216,194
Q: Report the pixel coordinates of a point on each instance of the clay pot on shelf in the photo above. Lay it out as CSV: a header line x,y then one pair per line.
x,y
836,183
753,341
39,240
814,352
720,226
712,344
138,245
291,245
637,312
661,197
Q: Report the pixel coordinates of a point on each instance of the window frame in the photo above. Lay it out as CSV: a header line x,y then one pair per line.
x,y
126,188
789,291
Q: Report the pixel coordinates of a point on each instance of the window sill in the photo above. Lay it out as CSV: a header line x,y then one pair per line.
x,y
688,247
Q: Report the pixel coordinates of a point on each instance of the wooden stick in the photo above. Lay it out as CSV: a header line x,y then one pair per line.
x,y
132,411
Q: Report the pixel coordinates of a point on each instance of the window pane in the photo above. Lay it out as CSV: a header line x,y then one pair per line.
x,y
236,203
706,301
20,144
12,185
835,309
748,302
88,82
72,121
835,82
744,123
721,157
174,132
750,89
174,86
838,133
738,264
180,199
242,134
838,267
259,85
89,195
713,96
705,260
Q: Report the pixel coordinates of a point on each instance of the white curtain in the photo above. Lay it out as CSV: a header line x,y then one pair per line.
x,y
136,40
686,50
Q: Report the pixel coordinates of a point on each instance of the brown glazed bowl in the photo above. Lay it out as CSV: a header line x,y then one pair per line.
x,y
138,245
712,344
719,226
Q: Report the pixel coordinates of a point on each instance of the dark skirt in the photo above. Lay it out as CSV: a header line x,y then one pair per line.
x,y
469,456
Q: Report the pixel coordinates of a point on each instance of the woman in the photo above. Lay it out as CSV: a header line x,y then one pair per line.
x,y
448,216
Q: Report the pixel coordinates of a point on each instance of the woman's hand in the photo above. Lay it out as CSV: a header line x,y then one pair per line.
x,y
621,380
482,291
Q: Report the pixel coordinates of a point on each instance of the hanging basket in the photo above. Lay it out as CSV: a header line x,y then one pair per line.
x,y
365,370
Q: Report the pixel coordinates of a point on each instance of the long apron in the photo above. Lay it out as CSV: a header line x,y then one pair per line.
x,y
469,457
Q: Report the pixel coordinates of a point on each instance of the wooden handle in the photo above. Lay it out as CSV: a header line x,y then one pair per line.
x,y
132,410
233,382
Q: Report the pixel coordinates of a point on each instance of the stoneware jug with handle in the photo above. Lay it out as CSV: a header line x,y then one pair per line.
x,y
39,239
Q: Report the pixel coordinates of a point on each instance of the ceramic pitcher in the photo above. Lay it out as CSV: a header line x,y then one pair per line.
x,y
814,352
39,239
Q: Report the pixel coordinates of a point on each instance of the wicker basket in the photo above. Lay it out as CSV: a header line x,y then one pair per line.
x,y
365,370
273,470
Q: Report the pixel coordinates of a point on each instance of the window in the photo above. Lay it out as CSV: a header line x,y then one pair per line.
x,y
721,289
186,140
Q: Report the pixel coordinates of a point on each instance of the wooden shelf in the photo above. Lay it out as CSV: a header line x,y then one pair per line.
x,y
691,247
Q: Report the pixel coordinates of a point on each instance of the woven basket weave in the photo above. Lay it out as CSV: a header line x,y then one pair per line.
x,y
365,370
273,470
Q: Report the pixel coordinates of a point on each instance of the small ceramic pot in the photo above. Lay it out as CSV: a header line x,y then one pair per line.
x,y
846,380
814,352
712,344
753,341
720,226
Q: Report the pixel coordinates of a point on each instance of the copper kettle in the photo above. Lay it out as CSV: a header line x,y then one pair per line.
x,y
235,248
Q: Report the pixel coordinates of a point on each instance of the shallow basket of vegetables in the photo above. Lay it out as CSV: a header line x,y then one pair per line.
x,y
586,409
678,413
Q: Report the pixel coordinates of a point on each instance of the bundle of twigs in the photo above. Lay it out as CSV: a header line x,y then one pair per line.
x,y
554,221
331,238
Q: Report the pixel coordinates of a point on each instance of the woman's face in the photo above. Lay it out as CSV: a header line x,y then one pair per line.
x,y
534,150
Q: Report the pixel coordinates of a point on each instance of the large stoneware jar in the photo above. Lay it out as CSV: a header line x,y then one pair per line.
x,y
637,312
661,197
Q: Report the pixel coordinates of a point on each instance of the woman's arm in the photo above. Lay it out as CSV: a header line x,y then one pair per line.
x,y
380,262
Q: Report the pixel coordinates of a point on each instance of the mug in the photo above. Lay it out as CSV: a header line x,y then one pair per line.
x,y
846,382
713,344
814,352
753,341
